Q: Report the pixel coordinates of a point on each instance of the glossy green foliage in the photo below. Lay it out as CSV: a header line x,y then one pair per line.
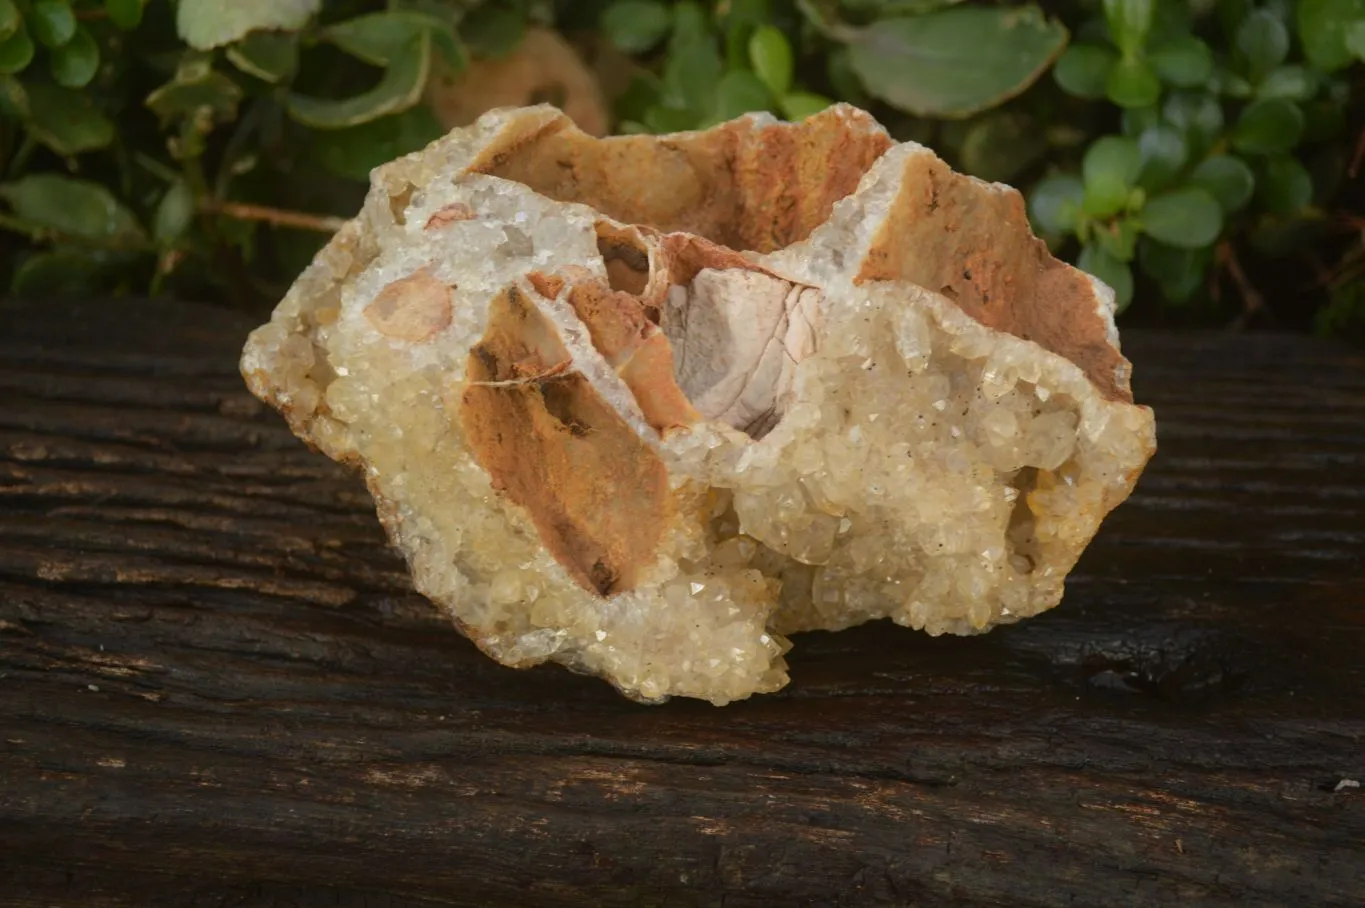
x,y
1219,102
283,104
1145,134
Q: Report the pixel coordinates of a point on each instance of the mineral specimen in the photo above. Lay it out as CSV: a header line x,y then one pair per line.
x,y
644,406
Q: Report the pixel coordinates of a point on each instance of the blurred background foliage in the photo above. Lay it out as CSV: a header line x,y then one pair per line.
x,y
1200,156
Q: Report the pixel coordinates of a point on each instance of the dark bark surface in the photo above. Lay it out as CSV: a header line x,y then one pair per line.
x,y
217,687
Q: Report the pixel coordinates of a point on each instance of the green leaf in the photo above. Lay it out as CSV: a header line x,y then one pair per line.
x,y
1133,83
1227,82
75,63
380,38
10,19
1262,42
957,61
206,24
1084,69
1054,205
16,51
737,47
1163,151
1227,178
1355,39
691,77
738,20
691,25
1198,115
1097,261
896,7
14,100
1183,60
57,273
1294,82
798,105
1134,121
770,54
52,22
447,42
1285,187
1179,272
269,56
1117,237
1129,22
1000,144
125,14
640,94
1268,127
636,25
400,88
1109,171
67,121
752,13
71,207
845,82
1187,218
174,214
740,92
1171,18
354,152
196,88
1324,26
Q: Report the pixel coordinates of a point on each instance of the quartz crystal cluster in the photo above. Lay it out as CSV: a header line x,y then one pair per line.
x,y
646,405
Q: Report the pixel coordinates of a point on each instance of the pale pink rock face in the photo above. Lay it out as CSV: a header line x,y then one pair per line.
x,y
644,406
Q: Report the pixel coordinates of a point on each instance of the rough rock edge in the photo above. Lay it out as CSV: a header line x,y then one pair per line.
x,y
311,302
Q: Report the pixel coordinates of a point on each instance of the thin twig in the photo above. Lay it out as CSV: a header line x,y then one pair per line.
x,y
277,217
1252,300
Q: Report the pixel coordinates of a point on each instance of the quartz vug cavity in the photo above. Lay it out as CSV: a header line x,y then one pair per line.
x,y
644,406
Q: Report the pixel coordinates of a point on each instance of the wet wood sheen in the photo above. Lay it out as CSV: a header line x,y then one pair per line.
x,y
218,688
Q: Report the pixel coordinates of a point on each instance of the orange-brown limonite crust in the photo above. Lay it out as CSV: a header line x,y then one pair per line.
x,y
640,353
744,188
411,309
737,187
597,493
945,234
543,432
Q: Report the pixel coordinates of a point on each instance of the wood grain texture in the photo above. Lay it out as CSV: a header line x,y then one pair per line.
x,y
218,688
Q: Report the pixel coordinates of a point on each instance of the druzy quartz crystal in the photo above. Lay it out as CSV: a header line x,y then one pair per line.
x,y
647,405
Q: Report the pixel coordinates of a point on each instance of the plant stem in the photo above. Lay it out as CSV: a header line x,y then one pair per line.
x,y
276,217
1252,300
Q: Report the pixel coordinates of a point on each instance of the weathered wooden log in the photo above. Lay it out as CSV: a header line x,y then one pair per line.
x,y
217,686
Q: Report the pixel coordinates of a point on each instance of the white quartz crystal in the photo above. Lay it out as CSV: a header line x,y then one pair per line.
x,y
644,406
